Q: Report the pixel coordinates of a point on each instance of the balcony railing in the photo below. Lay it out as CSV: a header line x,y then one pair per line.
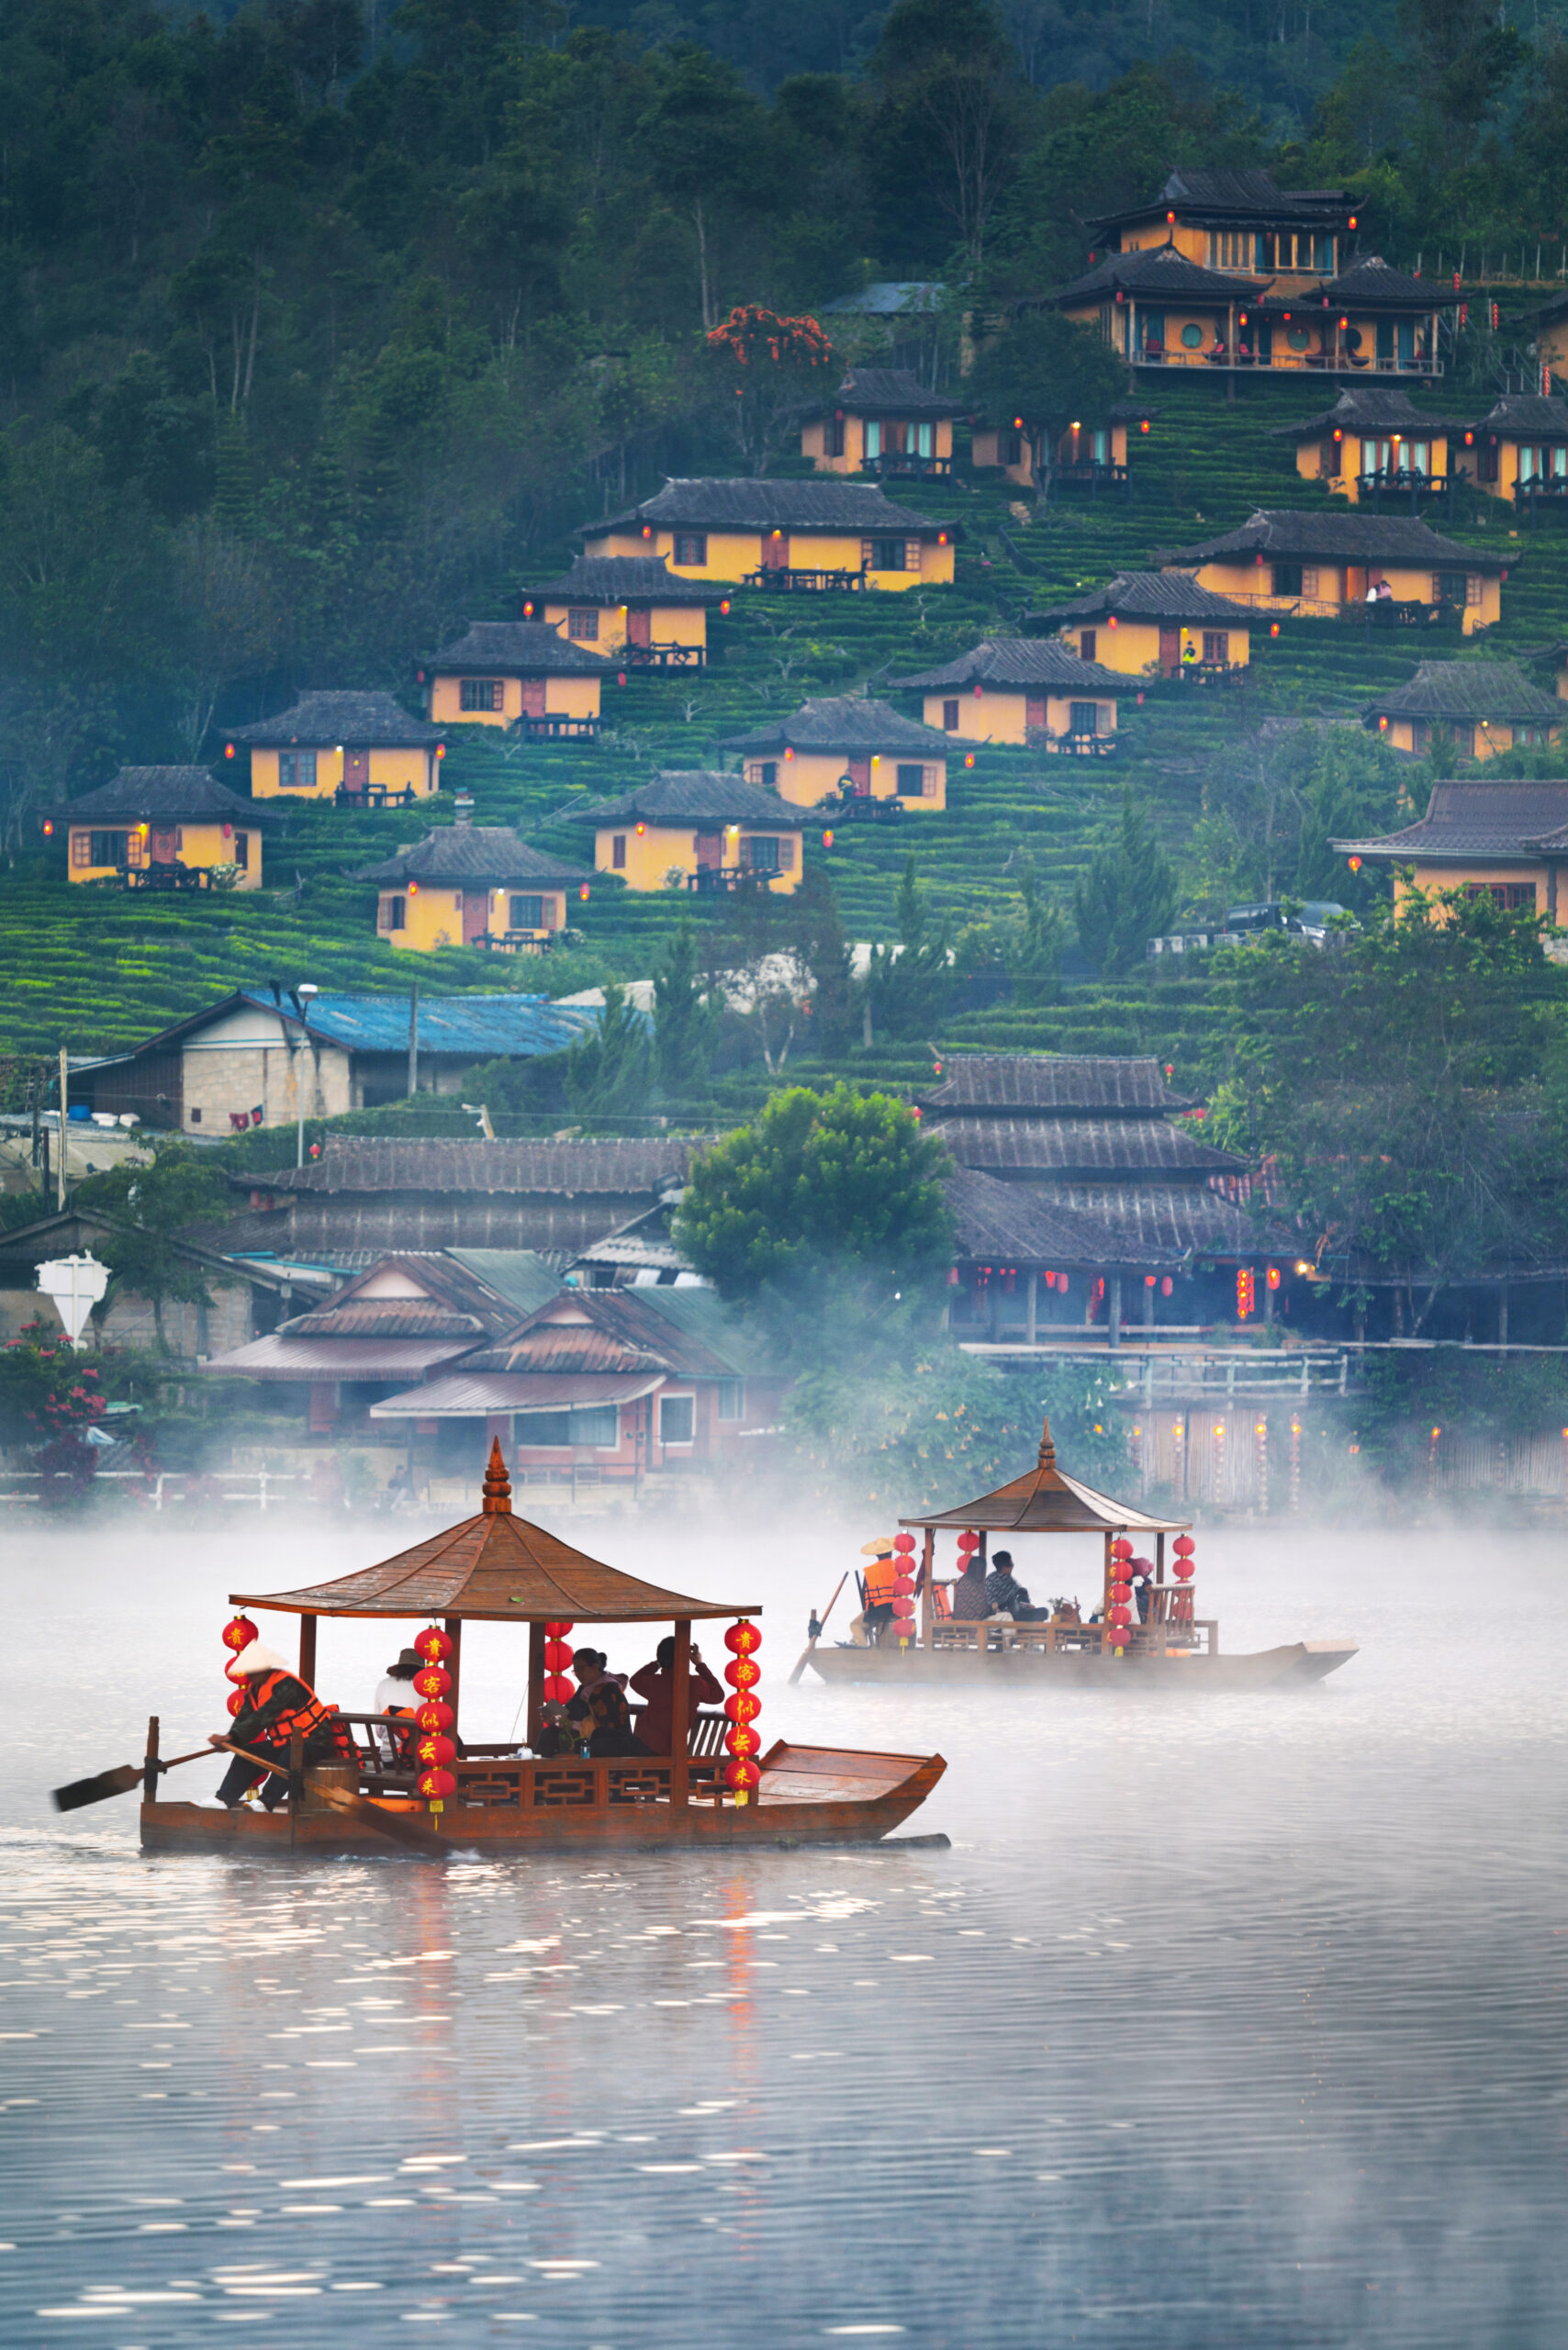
x,y
1206,672
1551,487
1089,476
898,464
786,581
730,881
1400,481
1072,747
373,795
862,808
663,657
514,941
1287,363
166,877
1391,611
554,727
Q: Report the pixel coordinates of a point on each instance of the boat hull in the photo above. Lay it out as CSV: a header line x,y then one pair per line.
x,y
807,1795
1293,1666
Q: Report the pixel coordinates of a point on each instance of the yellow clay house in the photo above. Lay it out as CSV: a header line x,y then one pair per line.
x,y
1025,690
1474,707
1521,449
356,747
846,744
1330,564
714,835
1156,625
520,675
1373,442
473,885
881,421
782,535
1088,456
629,607
1507,840
168,828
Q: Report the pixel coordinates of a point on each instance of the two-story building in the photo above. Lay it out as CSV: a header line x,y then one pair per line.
x,y
1156,624
881,421
361,748
1521,449
1087,456
1328,566
1508,841
1476,709
473,885
164,828
1025,690
846,744
698,831
783,535
517,674
1373,440
631,607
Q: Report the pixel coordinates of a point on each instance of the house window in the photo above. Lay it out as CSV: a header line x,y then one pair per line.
x,y
106,848
618,852
582,621
527,914
911,782
1449,587
1486,459
1308,581
1088,643
543,1428
691,547
242,851
1216,646
765,772
1513,897
887,555
950,717
595,1424
481,693
196,1117
1287,579
833,437
730,1397
1192,336
787,853
1230,249
394,914
760,852
678,1419
82,845
1083,717
296,770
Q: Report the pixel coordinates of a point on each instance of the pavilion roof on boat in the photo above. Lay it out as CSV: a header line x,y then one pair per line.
x,y
497,1567
1044,1500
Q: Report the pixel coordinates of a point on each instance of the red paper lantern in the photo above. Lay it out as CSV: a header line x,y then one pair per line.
x,y
1184,1545
741,1741
1183,1570
437,1715
557,1656
433,1645
743,1672
557,1689
741,1776
969,1542
435,1785
433,1748
236,1700
743,1640
1122,1549
558,1631
434,1681
237,1633
1120,1593
1120,1616
742,1706
903,1541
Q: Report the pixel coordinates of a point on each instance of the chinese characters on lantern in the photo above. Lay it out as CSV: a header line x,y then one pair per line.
x,y
741,1742
1119,1596
434,1749
903,1590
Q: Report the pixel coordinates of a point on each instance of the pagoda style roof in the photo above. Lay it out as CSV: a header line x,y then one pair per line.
x,y
168,795
744,504
622,579
1528,415
1044,1501
1371,408
1502,823
1014,661
1091,1148
518,649
1053,1083
1009,1221
1149,595
1160,274
365,720
1468,691
465,853
1342,538
497,1567
866,391
684,796
1159,1214
1246,194
1373,284
845,722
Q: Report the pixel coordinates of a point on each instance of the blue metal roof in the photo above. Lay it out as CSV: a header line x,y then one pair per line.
x,y
480,1026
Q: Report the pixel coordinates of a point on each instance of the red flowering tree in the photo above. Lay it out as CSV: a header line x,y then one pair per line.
x,y
770,367
49,1399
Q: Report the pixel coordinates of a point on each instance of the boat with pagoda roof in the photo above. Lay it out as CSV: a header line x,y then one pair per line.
x,y
1146,1633
716,1786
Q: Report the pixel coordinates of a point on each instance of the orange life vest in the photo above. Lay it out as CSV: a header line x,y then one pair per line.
x,y
302,1721
881,1583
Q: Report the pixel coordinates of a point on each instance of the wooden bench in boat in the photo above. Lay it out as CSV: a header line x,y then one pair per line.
x,y
1177,1636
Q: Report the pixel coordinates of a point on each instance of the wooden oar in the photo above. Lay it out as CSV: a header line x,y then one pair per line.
x,y
116,1782
397,1825
821,1626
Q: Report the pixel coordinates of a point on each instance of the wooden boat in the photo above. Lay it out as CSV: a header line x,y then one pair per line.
x,y
1171,1647
497,1568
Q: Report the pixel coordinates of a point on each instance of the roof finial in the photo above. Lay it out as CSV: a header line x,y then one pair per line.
x,y
1047,1455
497,1485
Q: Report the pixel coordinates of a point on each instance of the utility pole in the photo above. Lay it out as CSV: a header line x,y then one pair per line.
x,y
64,1093
413,1040
303,995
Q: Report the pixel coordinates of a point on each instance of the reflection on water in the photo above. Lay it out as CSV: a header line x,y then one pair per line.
x,y
1231,2024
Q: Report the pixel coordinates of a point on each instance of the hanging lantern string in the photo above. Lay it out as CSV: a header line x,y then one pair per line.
x,y
903,1590
743,1743
434,1749
238,1634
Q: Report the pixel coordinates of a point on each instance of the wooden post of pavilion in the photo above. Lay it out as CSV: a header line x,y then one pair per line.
x,y
928,1561
535,1684
680,1724
308,1651
452,1625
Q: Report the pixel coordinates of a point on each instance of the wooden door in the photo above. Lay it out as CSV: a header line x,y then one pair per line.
x,y
859,772
710,852
1169,651
639,625
1034,713
534,696
164,842
356,770
774,552
475,916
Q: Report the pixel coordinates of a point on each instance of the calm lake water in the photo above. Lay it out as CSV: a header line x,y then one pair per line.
x,y
1226,2024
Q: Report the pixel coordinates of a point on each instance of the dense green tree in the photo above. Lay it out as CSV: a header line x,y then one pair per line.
x,y
610,1072
1128,896
909,983
686,1018
1047,373
154,1205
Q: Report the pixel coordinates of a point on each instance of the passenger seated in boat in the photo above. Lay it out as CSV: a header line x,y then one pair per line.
x,y
396,1694
970,1605
655,1683
558,1733
1140,1574
601,1707
1006,1595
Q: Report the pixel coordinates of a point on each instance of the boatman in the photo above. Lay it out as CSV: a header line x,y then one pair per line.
x,y
879,1582
278,1707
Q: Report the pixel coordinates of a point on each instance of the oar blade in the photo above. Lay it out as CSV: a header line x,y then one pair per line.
x,y
99,1789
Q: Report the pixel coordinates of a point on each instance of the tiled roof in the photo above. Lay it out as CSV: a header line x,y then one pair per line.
x,y
1011,1221
624,579
520,1277
1472,820
465,1394
1372,281
1345,538
1368,408
844,722
353,717
387,1317
743,504
1526,414
1149,595
482,1027
175,795
351,1163
1162,274
681,796
460,853
1468,691
1247,191
890,388
1089,1148
690,1332
518,648
1176,1218
1018,661
1052,1083
288,1354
